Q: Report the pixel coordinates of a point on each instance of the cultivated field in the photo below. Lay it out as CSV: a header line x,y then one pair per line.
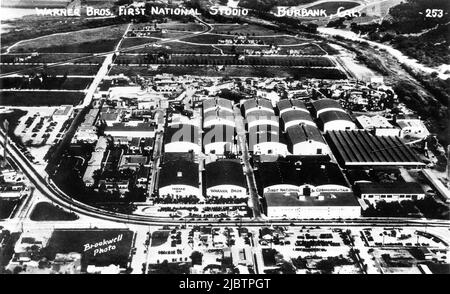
x,y
40,98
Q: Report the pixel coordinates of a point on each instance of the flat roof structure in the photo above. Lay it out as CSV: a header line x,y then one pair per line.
x,y
361,148
373,122
389,188
331,199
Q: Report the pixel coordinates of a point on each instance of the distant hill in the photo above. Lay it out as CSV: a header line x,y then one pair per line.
x,y
44,3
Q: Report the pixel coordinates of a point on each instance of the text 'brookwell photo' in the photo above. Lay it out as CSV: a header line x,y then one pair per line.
x,y
239,137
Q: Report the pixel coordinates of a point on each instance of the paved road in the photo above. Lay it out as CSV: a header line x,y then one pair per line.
x,y
250,176
54,194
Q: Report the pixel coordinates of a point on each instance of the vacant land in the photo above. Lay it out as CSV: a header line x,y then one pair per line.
x,y
89,40
41,98
53,83
19,58
44,211
332,6
236,71
230,60
69,69
66,241
214,39
7,207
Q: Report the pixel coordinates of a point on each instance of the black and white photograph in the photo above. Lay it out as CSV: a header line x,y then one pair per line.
x,y
224,143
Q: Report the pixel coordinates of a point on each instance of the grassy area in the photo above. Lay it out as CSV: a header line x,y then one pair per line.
x,y
239,71
89,40
35,26
214,39
159,238
56,83
66,241
331,7
231,60
54,70
242,29
131,42
50,58
7,207
44,211
41,98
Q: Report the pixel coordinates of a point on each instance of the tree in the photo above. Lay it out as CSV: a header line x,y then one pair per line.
x,y
196,258
287,268
326,266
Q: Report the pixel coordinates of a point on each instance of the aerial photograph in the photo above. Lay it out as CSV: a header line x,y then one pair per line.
x,y
224,137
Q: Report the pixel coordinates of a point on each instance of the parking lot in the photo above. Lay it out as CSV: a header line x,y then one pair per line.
x,y
38,131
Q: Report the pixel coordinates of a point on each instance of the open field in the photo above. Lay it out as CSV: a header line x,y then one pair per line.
x,y
88,70
172,25
214,39
241,71
41,98
7,207
44,211
331,7
242,29
89,40
49,58
135,41
66,241
232,60
55,83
